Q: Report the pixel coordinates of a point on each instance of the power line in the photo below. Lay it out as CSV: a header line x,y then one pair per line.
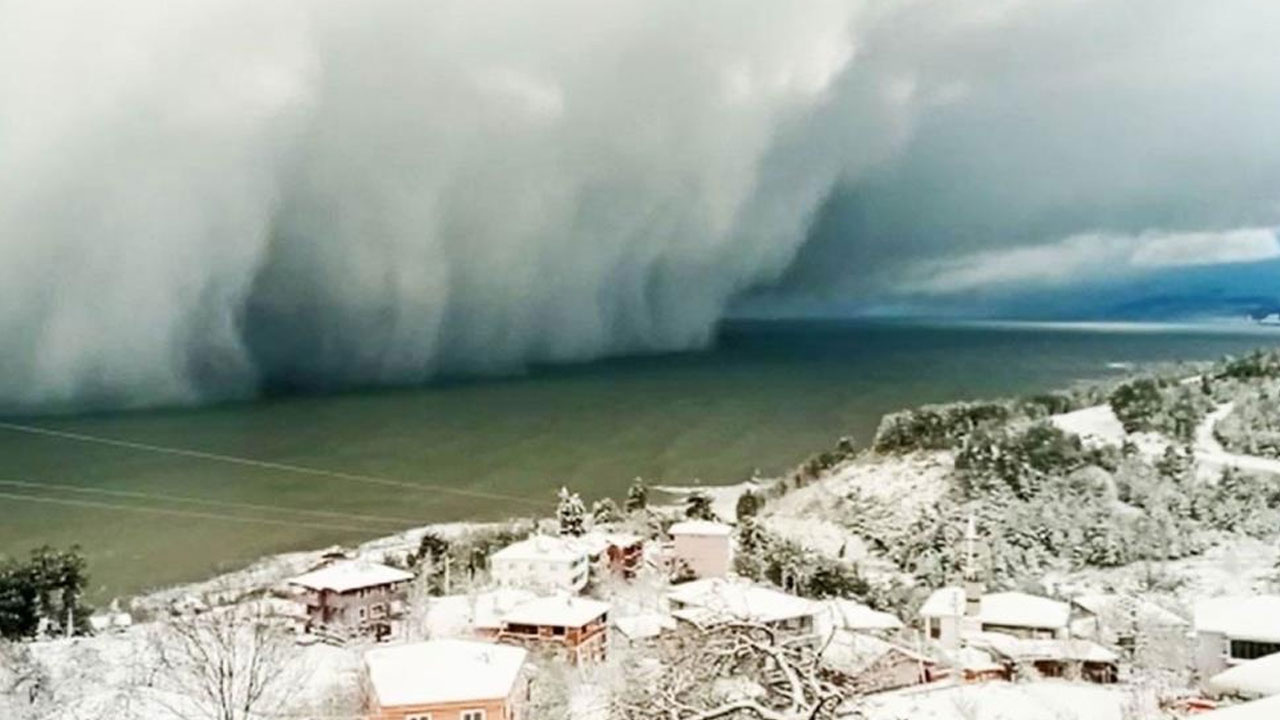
x,y
160,497
94,504
266,465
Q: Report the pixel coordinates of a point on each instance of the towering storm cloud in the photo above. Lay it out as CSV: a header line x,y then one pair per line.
x,y
198,197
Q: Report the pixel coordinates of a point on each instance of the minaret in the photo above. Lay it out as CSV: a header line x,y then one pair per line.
x,y
972,584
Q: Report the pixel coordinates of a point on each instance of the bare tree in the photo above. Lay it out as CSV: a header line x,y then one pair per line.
x,y
772,679
231,664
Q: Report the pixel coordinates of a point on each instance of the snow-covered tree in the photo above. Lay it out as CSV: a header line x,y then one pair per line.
x,y
749,503
697,506
605,512
637,496
571,514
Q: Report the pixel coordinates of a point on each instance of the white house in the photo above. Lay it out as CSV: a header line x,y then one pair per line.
x,y
705,547
1232,630
948,615
718,600
542,562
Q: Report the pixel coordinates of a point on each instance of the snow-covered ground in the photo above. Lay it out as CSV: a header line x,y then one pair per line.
x,y
1098,425
893,489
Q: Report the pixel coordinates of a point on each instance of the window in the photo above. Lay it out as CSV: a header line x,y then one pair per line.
x,y
423,716
1252,649
360,613
472,715
935,630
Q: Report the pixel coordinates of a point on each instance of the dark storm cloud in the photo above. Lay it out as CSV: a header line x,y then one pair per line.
x,y
200,195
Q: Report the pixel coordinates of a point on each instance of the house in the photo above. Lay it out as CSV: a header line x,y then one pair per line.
x,y
953,612
478,614
637,630
352,597
1233,630
702,546
1051,657
865,664
1253,679
714,601
575,627
842,614
1117,620
447,680
544,563
613,553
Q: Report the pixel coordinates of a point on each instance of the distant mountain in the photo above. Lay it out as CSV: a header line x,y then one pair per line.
x,y
1221,291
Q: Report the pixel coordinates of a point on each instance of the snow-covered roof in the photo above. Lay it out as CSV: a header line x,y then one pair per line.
x,y
443,671
1251,617
700,527
853,615
1113,606
851,652
720,598
1010,609
346,575
1267,709
1005,701
1256,678
1029,650
1016,609
945,602
458,615
543,547
642,627
556,611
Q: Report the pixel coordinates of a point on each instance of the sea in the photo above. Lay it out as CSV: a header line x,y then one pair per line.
x,y
157,497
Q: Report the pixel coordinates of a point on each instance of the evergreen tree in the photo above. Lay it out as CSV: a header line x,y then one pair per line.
x,y
49,587
697,506
637,496
605,512
571,514
749,505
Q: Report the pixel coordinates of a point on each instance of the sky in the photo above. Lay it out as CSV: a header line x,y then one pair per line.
x,y
200,197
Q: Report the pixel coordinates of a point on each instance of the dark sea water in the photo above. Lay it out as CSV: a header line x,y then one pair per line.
x,y
767,395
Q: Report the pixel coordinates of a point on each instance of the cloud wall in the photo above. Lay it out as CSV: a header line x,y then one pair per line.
x,y
199,198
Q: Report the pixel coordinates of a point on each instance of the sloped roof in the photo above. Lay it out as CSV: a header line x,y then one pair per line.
x,y
641,627
718,599
443,671
1250,617
543,547
1029,650
853,615
1256,678
347,575
851,652
1011,609
556,611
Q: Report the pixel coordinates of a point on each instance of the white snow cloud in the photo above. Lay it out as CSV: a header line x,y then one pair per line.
x,y
196,195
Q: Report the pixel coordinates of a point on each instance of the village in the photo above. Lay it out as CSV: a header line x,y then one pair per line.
x,y
690,610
